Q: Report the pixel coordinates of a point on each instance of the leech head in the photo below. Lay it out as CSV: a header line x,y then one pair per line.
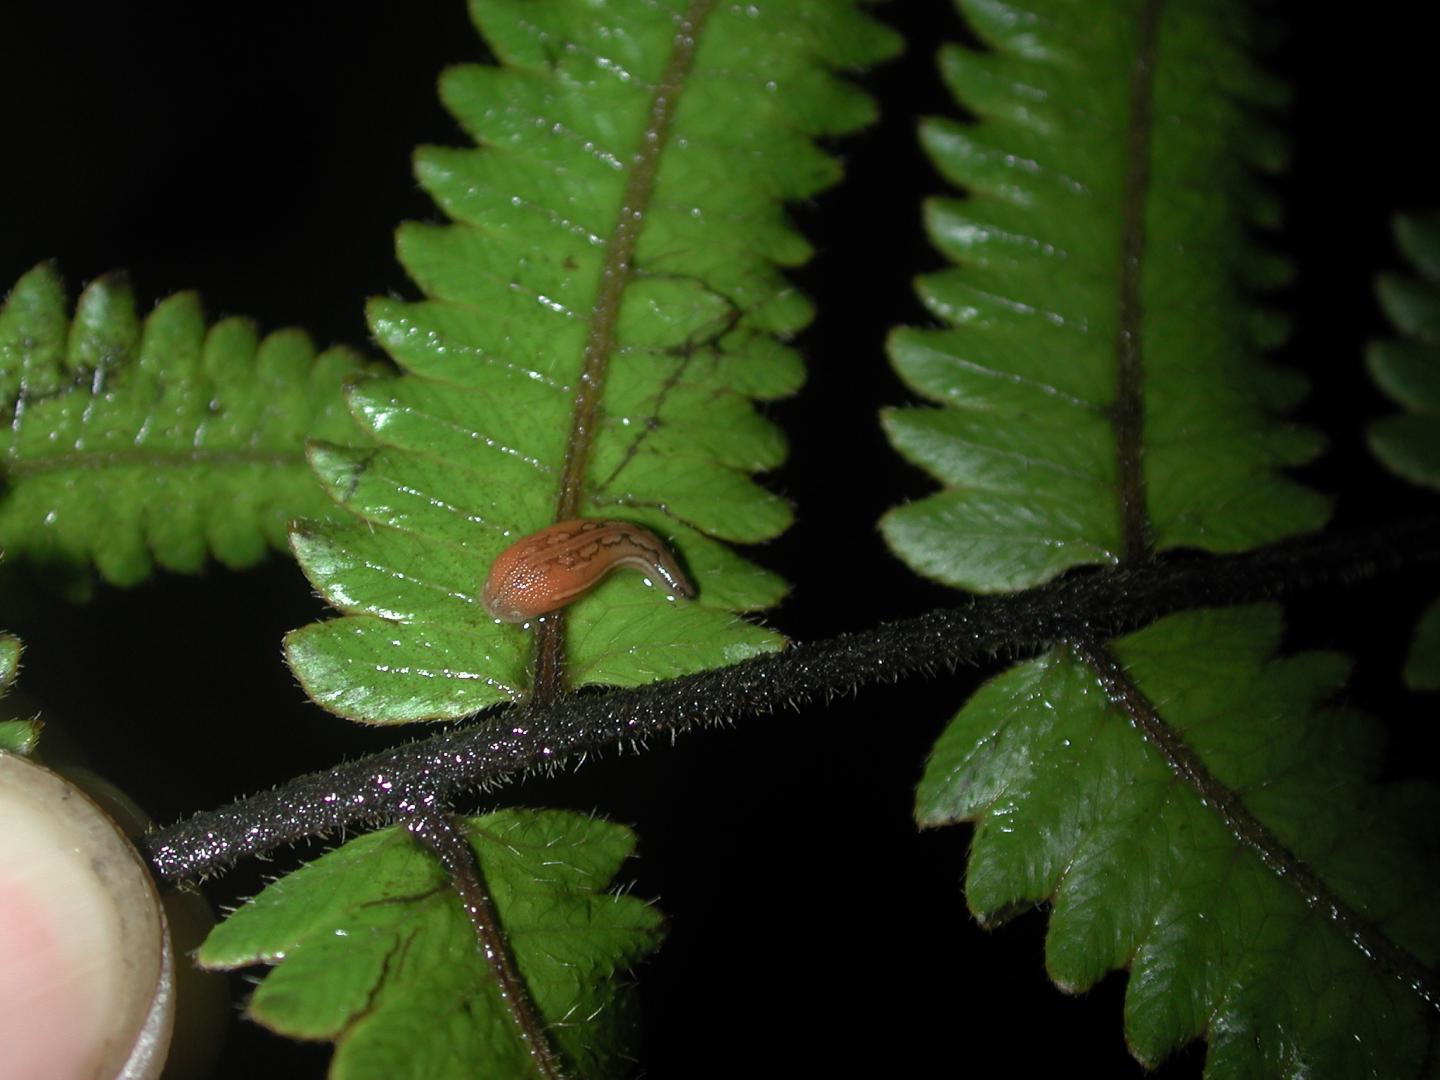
x,y
548,569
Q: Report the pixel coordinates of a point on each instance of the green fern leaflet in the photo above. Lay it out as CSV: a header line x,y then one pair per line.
x,y
16,736
618,236
10,650
128,443
373,950
1102,399
1075,809
1101,389
1408,370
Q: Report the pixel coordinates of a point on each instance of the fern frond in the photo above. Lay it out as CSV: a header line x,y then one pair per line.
x,y
1408,370
372,950
600,319
10,649
1102,399
16,736
131,442
1101,391
1074,808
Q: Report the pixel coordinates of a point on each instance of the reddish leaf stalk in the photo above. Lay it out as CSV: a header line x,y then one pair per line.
x,y
615,270
436,830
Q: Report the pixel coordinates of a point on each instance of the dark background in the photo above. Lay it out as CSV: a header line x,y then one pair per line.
x,y
261,155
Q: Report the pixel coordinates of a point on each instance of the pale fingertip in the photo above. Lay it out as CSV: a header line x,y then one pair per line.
x,y
86,970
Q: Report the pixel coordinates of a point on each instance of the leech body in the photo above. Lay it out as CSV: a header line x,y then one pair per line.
x,y
546,570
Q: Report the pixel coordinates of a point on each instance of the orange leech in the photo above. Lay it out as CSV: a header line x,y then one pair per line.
x,y
548,569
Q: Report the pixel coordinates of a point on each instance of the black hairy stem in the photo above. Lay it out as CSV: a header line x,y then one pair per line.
x,y
507,744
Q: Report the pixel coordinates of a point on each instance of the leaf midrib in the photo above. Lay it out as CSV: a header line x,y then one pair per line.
x,y
1128,416
1128,410
1248,831
615,275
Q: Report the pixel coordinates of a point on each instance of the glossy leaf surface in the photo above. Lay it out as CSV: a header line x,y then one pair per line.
x,y
372,950
1099,380
19,736
9,660
1075,809
600,131
129,443
1101,398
